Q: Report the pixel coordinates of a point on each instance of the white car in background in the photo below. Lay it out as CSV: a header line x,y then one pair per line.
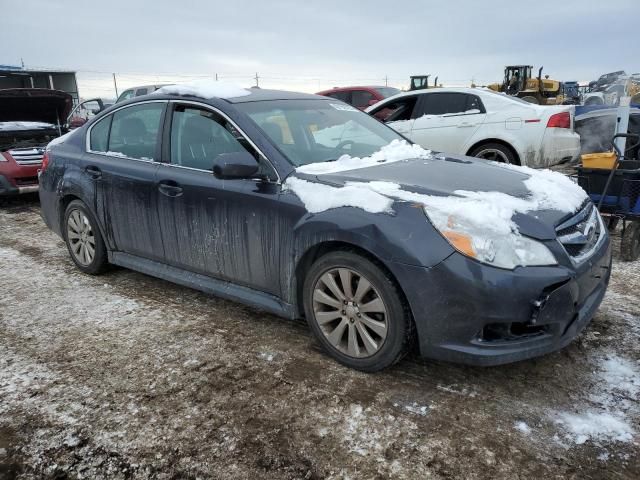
x,y
482,123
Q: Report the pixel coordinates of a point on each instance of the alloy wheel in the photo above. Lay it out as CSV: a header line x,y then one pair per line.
x,y
493,154
350,312
81,237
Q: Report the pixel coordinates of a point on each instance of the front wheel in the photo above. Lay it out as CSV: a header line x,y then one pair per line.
x,y
356,311
83,239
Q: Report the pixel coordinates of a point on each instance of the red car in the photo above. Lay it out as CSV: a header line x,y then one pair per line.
x,y
29,119
360,97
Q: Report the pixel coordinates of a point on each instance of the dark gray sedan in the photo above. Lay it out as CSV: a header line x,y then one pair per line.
x,y
303,206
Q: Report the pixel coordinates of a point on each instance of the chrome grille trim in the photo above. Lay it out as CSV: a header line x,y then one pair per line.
x,y
582,234
27,156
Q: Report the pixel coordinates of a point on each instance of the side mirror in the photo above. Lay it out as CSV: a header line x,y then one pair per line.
x,y
235,165
372,102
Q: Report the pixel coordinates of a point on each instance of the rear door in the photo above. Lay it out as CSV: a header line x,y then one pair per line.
x,y
121,162
447,120
220,228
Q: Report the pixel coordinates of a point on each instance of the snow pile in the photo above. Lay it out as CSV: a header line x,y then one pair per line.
x,y
396,151
59,140
621,375
204,89
13,126
596,425
318,197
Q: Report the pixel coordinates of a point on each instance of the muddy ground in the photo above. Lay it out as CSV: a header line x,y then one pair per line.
x,y
127,376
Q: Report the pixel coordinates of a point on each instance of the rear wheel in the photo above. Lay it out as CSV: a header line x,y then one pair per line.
x,y
531,99
356,311
496,152
83,239
630,243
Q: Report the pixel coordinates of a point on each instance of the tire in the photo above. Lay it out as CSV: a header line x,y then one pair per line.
x,y
530,99
496,152
630,243
368,340
82,236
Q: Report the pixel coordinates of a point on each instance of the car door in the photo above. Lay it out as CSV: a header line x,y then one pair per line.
x,y
120,159
445,121
209,225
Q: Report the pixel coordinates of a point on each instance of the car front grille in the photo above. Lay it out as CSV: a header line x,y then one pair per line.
x,y
27,156
581,233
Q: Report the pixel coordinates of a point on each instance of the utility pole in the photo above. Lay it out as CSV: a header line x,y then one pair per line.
x,y
257,80
216,77
386,81
115,84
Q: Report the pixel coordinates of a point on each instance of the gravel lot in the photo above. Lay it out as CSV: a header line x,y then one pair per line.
x,y
127,376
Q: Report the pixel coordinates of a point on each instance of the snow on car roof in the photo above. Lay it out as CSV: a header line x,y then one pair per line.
x,y
233,93
204,89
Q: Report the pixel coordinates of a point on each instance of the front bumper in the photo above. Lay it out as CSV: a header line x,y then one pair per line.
x,y
16,179
471,313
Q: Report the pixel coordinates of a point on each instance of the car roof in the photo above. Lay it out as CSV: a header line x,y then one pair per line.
x,y
475,91
262,94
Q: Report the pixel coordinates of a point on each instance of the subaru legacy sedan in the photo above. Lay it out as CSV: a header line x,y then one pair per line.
x,y
303,206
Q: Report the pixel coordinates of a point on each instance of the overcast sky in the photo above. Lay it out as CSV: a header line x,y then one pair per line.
x,y
307,45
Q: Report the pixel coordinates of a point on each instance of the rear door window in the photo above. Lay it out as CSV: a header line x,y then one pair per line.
x,y
141,91
134,130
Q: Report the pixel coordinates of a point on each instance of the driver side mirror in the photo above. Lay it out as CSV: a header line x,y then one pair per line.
x,y
235,165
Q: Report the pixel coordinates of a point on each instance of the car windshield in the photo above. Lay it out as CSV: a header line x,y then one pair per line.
x,y
312,131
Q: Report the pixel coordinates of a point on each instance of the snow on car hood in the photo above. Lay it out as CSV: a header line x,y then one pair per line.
x,y
204,89
502,198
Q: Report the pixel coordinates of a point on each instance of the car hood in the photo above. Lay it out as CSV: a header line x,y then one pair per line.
x,y
34,105
443,175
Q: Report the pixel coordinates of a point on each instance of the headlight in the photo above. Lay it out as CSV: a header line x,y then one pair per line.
x,y
499,249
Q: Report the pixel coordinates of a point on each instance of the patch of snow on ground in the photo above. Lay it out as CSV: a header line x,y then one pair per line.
x,y
618,382
396,151
204,89
522,427
596,426
318,197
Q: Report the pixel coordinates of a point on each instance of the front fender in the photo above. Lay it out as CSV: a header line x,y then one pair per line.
x,y
405,237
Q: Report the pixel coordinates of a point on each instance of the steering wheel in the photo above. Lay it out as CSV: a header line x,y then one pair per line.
x,y
340,147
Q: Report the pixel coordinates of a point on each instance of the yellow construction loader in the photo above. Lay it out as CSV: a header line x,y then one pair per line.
x,y
519,82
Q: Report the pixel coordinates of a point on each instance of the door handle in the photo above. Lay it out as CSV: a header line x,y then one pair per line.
x,y
93,172
170,188
465,125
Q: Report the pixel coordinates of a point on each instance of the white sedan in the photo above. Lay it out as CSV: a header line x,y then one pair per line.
x,y
482,123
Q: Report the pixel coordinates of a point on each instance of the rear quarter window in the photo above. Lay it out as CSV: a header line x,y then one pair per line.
x,y
99,137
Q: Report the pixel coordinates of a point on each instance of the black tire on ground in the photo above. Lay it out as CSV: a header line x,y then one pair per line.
x,y
496,152
399,324
630,243
98,263
612,224
531,99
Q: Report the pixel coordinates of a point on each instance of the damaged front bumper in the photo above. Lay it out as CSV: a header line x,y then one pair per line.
x,y
471,313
